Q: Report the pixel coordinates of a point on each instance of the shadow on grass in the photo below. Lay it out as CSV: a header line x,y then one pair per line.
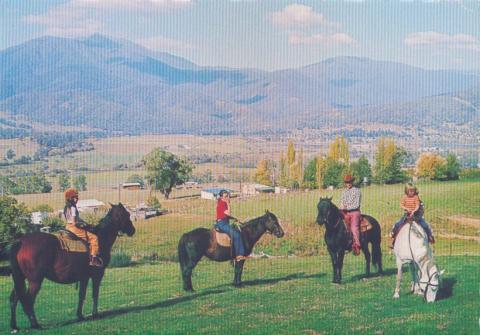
x,y
446,290
135,309
293,276
385,273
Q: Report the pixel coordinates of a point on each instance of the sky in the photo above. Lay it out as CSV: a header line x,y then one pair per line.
x,y
263,34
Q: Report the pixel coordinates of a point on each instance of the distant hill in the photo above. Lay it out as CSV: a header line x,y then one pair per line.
x,y
115,85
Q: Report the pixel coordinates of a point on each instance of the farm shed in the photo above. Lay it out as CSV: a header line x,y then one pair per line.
x,y
252,189
89,205
131,186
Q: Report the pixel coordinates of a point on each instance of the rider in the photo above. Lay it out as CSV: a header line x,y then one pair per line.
x,y
79,227
222,224
413,207
350,204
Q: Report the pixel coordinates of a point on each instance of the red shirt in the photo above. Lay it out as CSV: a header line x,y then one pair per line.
x,y
221,208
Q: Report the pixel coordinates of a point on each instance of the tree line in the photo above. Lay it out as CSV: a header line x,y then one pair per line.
x,y
328,169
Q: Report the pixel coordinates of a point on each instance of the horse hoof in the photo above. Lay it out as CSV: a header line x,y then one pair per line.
x,y
240,285
396,296
14,331
80,318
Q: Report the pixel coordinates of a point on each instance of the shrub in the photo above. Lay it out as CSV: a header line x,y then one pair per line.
x,y
120,260
55,223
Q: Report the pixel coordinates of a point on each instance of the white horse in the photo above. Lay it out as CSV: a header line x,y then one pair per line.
x,y
411,246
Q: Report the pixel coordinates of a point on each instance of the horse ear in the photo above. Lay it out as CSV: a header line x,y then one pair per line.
x,y
267,212
112,205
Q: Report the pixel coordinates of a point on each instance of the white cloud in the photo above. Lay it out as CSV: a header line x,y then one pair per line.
x,y
131,4
323,39
440,40
65,22
160,43
301,16
80,17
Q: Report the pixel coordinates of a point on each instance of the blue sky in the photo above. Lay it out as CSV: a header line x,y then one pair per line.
x,y
263,34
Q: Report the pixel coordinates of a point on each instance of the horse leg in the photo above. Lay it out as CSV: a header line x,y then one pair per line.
x,y
96,280
13,311
333,256
377,256
396,295
237,281
340,256
414,287
33,288
81,298
188,256
366,253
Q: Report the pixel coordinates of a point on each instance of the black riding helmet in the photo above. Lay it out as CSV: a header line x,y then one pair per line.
x,y
222,192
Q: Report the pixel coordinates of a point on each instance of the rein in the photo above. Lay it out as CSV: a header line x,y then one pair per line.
x,y
430,276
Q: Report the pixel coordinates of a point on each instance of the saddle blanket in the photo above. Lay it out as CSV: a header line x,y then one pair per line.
x,y
70,245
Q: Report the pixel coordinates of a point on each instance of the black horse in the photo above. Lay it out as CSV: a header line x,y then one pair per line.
x,y
200,242
339,240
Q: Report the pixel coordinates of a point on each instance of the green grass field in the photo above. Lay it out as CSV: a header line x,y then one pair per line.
x,y
281,296
284,295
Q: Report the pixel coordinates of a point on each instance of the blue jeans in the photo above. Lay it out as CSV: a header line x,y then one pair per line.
x,y
421,222
235,235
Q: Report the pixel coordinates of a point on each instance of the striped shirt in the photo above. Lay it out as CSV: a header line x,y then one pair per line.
x,y
410,203
350,199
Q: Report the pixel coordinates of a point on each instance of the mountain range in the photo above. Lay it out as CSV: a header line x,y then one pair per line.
x,y
117,86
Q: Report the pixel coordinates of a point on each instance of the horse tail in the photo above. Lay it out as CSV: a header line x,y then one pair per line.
x,y
17,274
5,256
182,252
376,239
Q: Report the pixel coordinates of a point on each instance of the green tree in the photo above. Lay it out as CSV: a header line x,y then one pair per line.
x,y
80,182
452,168
321,166
290,153
43,208
263,174
388,162
14,219
283,173
63,181
310,174
135,178
165,170
361,169
334,172
36,183
339,151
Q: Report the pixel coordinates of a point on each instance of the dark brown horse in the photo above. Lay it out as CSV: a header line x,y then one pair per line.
x,y
199,242
38,256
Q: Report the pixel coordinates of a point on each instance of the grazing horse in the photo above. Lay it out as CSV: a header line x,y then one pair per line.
x,y
200,242
411,246
38,256
338,238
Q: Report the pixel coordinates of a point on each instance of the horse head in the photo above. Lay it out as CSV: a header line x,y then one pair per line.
x,y
273,225
121,219
430,283
324,206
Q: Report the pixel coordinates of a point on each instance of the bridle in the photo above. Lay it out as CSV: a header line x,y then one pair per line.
x,y
430,276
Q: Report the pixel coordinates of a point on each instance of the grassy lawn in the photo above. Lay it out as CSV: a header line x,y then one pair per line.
x,y
281,296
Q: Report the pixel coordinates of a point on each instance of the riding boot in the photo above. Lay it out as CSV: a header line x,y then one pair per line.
x,y
96,261
431,239
356,249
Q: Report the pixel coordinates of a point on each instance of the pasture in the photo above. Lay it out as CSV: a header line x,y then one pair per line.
x,y
290,293
281,296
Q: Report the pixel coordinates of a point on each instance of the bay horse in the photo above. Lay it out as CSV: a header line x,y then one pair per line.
x,y
37,256
200,242
338,238
412,247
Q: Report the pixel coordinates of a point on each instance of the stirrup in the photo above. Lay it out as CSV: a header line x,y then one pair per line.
x,y
96,261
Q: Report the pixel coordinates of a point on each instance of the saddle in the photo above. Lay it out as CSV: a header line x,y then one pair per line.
x,y
70,242
221,239
365,225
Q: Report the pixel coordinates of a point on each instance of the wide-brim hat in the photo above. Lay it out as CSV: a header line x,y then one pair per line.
x,y
348,179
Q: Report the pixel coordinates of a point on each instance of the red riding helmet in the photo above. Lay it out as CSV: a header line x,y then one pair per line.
x,y
71,193
348,179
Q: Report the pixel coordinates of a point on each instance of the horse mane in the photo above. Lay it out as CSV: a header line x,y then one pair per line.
x,y
254,221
